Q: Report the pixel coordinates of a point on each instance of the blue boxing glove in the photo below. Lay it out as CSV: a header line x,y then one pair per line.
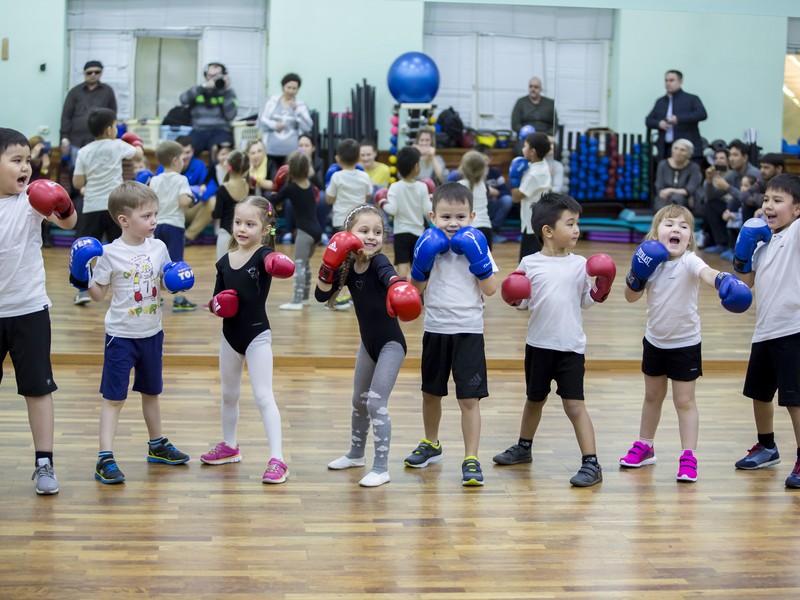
x,y
178,277
433,241
334,168
144,176
472,244
647,257
735,295
197,193
753,231
516,170
81,253
454,176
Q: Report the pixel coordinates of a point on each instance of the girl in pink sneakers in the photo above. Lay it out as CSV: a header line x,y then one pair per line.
x,y
244,276
667,268
353,259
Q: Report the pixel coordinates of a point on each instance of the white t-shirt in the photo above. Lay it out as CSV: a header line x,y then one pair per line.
x,y
350,187
410,203
453,298
134,273
672,319
535,182
480,203
559,290
22,280
101,163
169,186
777,285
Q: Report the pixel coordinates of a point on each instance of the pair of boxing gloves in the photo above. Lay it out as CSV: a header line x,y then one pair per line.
x,y
517,286
402,299
467,241
734,294
177,276
226,303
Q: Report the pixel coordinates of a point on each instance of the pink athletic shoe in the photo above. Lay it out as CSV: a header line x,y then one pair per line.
x,y
221,454
639,455
687,467
276,472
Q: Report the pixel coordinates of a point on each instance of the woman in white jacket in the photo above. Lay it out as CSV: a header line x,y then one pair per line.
x,y
283,119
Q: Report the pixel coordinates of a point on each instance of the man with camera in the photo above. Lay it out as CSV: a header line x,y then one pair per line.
x,y
213,105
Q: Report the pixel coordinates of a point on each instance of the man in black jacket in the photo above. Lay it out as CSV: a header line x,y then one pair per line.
x,y
676,116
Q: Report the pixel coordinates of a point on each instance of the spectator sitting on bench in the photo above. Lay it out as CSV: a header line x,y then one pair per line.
x,y
678,179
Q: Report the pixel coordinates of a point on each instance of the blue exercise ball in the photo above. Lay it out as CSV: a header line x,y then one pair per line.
x,y
413,77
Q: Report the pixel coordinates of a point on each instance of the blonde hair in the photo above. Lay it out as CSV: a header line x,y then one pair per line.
x,y
267,215
347,265
167,151
673,211
473,167
128,196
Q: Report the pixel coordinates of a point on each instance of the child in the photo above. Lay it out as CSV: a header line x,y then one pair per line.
x,y
378,172
174,195
529,178
454,268
474,169
556,284
500,201
347,187
24,305
244,276
234,188
133,267
301,194
732,215
666,262
771,251
409,201
354,259
98,170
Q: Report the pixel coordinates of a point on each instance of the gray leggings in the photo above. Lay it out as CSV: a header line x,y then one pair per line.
x,y
372,384
304,246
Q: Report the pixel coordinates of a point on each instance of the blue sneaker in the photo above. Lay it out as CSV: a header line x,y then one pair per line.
x,y
471,474
727,255
166,453
424,454
759,457
793,481
108,472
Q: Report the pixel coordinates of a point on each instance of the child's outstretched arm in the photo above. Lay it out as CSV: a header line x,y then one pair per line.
x,y
734,294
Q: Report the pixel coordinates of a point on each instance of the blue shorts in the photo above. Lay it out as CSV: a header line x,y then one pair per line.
x,y
123,354
173,239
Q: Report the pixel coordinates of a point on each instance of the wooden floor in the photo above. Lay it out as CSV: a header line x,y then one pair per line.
x,y
195,531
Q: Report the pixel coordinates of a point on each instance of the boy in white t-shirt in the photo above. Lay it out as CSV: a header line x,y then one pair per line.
x,y
347,186
453,267
98,170
133,267
535,181
174,195
24,305
771,251
409,201
556,284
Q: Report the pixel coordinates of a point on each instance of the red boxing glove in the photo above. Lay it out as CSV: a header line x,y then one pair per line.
x,y
280,178
516,288
339,248
47,197
316,194
603,269
380,197
279,265
225,304
132,139
403,300
429,183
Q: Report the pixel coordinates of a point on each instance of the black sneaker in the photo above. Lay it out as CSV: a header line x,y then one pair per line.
x,y
107,471
589,474
471,473
165,453
516,455
424,454
182,304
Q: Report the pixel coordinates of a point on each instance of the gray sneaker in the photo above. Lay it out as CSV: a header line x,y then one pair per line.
x,y
515,455
46,482
82,297
424,454
759,457
589,474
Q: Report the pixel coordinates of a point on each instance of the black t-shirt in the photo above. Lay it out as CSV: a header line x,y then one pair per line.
x,y
251,283
304,207
368,290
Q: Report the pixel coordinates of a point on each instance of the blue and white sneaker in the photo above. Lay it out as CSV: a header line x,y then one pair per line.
x,y
759,457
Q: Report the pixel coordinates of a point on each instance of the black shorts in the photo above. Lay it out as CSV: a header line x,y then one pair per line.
x,y
678,364
542,366
27,339
404,247
463,353
96,224
774,365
